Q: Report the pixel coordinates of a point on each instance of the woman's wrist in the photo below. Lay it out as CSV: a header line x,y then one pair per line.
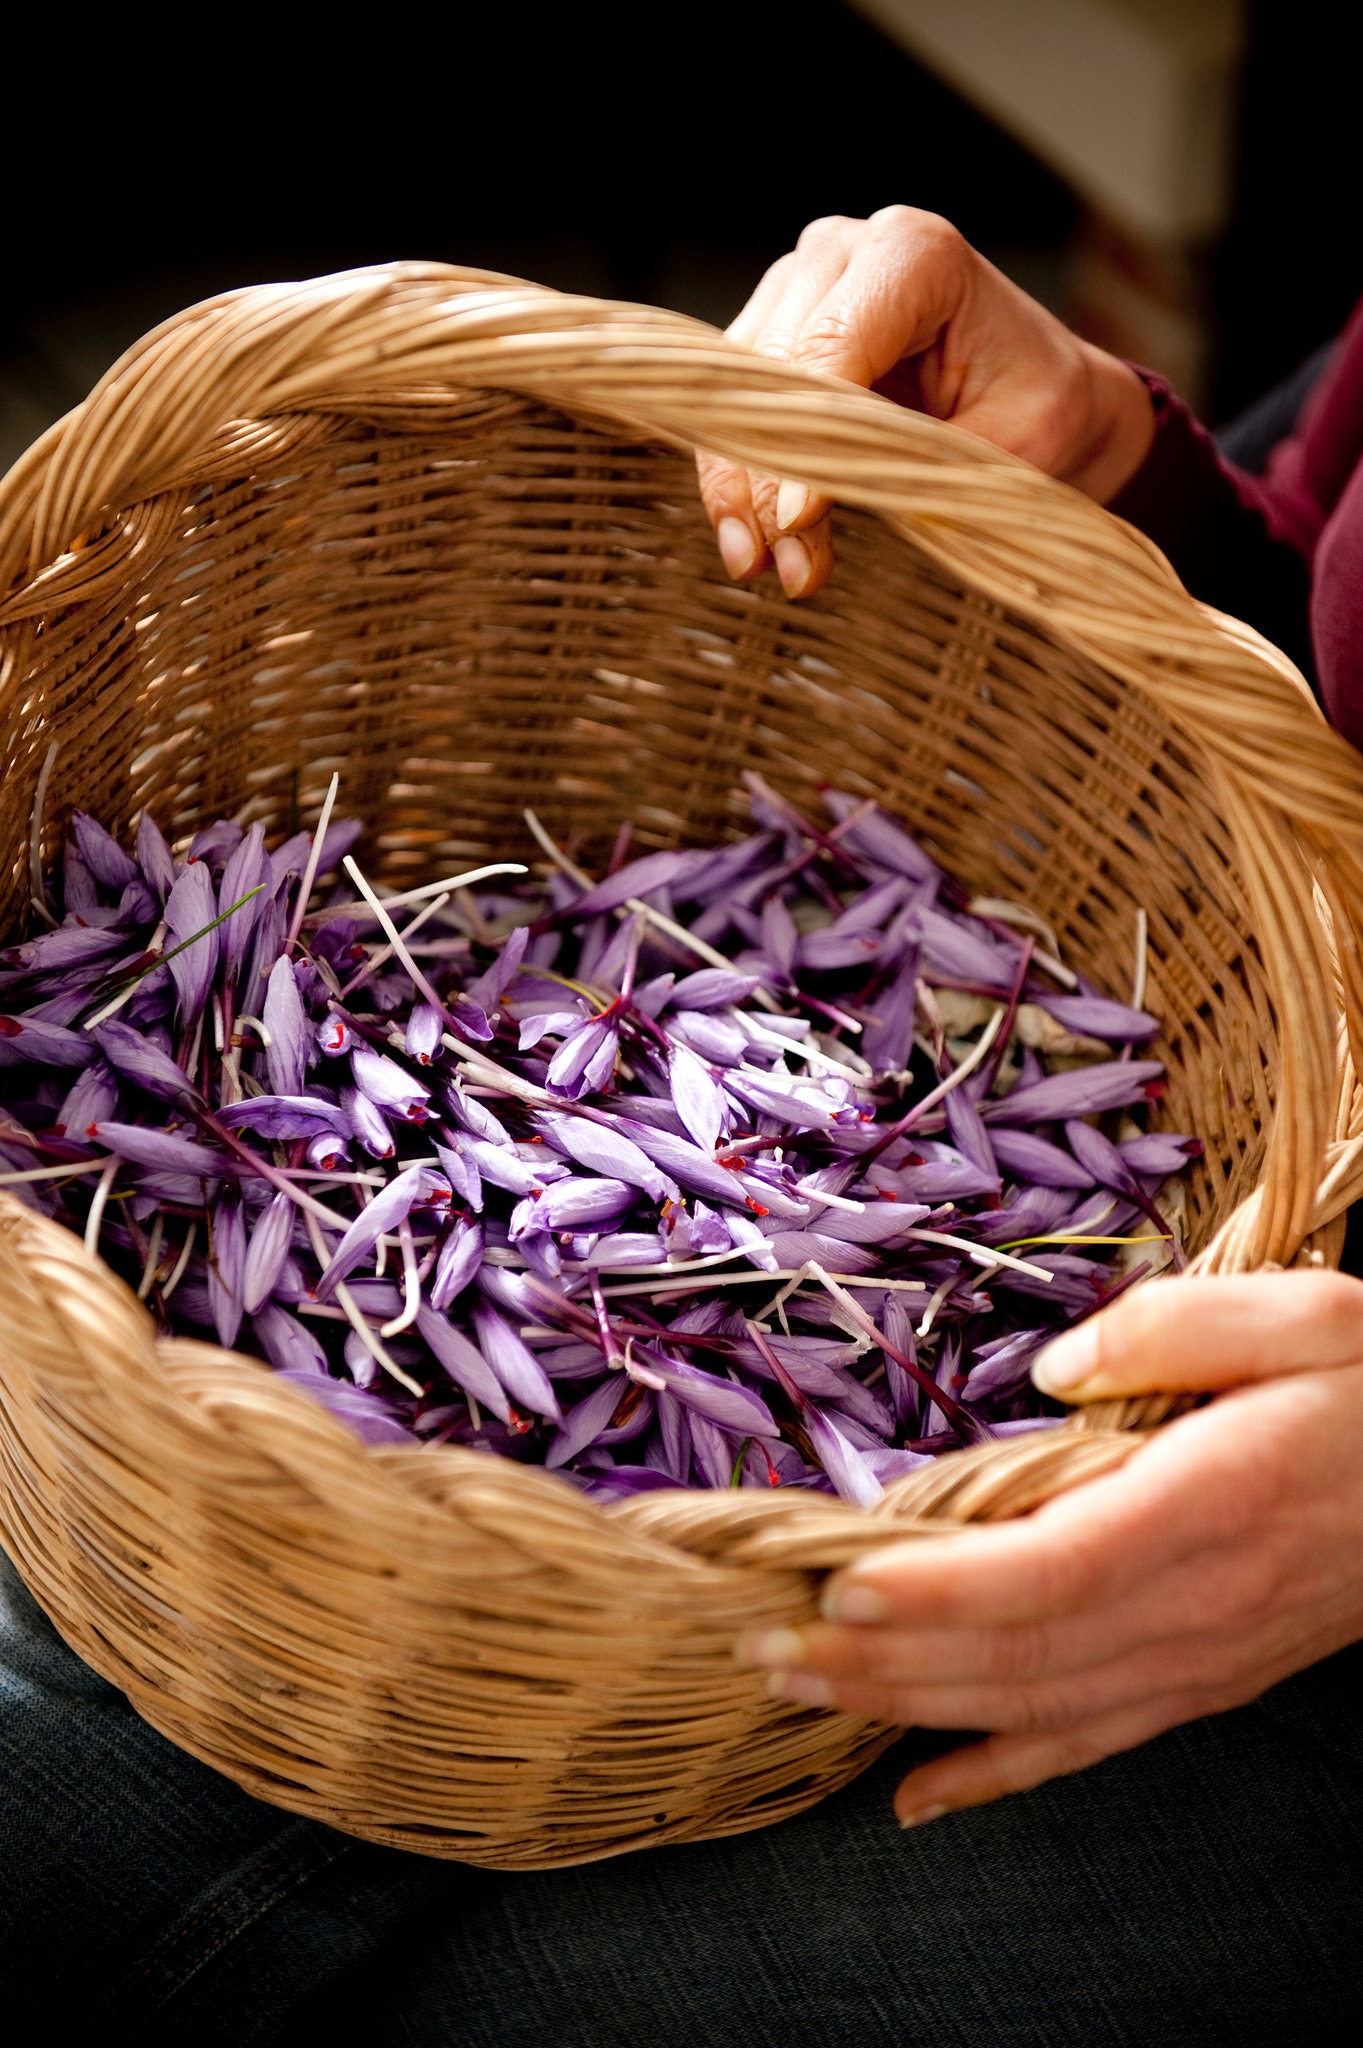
x,y
1121,429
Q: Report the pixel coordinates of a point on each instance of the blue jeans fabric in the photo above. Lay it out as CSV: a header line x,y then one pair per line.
x,y
1203,1890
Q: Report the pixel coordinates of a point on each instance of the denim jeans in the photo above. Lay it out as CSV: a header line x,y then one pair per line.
x,y
1206,1889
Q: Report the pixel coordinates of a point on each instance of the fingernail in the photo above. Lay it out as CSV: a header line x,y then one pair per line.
x,y
806,1688
1067,1363
793,564
853,1603
737,548
771,1649
921,1815
792,501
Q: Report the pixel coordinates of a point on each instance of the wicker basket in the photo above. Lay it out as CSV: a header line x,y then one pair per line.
x,y
439,530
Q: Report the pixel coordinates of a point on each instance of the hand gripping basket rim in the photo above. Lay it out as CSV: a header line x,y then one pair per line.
x,y
135,1568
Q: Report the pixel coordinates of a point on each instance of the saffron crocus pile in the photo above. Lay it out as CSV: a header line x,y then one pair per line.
x,y
769,1165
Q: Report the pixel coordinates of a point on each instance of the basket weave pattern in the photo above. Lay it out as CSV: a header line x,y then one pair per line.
x,y
439,531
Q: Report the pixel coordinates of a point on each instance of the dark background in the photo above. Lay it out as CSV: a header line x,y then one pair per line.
x,y
667,156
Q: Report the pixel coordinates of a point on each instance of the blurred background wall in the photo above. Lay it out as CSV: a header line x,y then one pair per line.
x,y
1177,178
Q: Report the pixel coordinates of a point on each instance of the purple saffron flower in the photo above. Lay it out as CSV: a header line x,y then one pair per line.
x,y
286,1056
464,1364
849,1469
880,839
102,854
684,1161
282,1117
754,1092
606,1151
577,1202
292,857
71,945
388,1086
505,1168
154,857
622,1248
549,1024
710,1037
1028,1157
422,1033
50,1045
488,990
92,1100
967,1130
368,1414
333,1036
585,1061
780,940
639,878
413,1188
369,1127
266,1252
461,1170
248,867
227,1266
585,1423
1159,1154
138,904
288,1344
162,1151
139,1060
1097,1017
460,1257
791,1248
1087,1091
327,1152
701,1102
713,988
190,907
517,1367
888,1043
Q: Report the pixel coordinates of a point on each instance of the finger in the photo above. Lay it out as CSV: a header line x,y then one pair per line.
x,y
727,497
1015,1763
1199,1334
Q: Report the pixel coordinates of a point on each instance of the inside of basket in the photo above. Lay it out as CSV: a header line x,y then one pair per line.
x,y
508,607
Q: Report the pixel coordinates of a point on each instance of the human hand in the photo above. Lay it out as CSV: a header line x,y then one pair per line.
x,y
1227,1554
902,304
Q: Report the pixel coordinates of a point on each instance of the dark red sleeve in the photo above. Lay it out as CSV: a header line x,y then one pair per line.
x,y
1239,542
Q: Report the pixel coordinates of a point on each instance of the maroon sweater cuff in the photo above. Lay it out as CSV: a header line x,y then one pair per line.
x,y
1212,521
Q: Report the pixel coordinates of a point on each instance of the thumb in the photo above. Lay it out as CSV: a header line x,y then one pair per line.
x,y
1198,1335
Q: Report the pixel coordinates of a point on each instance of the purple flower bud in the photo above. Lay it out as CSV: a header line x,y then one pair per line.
x,y
408,1190
701,1102
190,907
722,1401
288,1344
880,839
584,1423
154,857
139,1060
966,951
138,905
713,988
577,1202
465,1365
333,1036
266,1252
93,1099
424,1027
461,1170
585,1061
1159,1153
745,1236
770,1100
50,1045
282,1117
488,990
472,1115
248,867
369,1127
519,1371
639,878
102,854
286,1056
888,1043
227,1265
370,1415
1028,1157
71,945
967,1130
686,1162
606,1151
780,940
1097,1017
327,1152
622,1248
459,1260
163,1151
1087,1091
549,1024
712,1038
388,1086
792,1247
